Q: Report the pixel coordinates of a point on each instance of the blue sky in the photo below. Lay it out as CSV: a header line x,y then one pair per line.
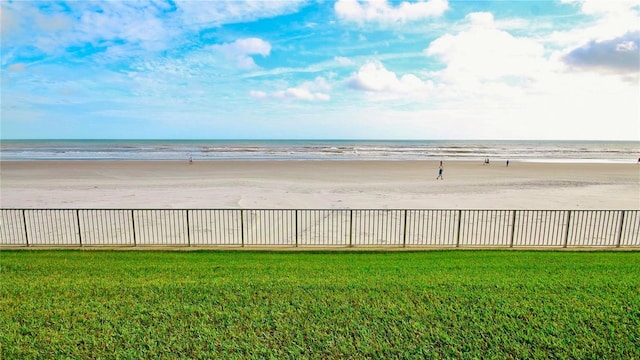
x,y
346,69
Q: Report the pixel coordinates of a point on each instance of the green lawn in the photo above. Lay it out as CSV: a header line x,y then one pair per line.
x,y
439,304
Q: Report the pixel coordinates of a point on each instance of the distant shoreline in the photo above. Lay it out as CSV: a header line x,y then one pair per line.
x,y
331,150
500,161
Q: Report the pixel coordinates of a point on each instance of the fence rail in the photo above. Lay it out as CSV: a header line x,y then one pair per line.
x,y
335,227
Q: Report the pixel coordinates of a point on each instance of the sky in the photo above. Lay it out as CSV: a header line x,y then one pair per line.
x,y
345,69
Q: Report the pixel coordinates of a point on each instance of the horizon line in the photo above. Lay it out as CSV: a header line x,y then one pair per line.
x,y
310,139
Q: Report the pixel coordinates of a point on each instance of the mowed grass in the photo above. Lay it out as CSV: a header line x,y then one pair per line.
x,y
440,304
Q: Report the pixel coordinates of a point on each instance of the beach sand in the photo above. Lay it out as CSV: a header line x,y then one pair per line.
x,y
317,185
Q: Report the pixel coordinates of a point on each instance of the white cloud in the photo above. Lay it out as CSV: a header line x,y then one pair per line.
x,y
220,12
481,19
258,94
558,106
613,18
125,21
483,52
137,27
608,44
381,11
241,51
374,77
301,94
343,61
53,29
508,84
316,90
592,7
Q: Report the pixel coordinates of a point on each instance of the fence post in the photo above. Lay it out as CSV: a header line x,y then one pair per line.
x,y
242,228
459,223
296,218
404,234
188,230
566,235
24,222
513,226
351,228
622,212
133,228
78,223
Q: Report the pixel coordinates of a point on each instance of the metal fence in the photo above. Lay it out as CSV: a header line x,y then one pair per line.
x,y
339,227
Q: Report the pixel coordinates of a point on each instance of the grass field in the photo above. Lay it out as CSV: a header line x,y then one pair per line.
x,y
439,304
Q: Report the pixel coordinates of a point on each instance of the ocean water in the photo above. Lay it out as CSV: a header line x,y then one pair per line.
x,y
212,150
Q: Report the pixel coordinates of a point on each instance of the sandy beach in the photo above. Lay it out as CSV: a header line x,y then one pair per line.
x,y
317,184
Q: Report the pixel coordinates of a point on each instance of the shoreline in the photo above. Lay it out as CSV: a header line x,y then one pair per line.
x,y
317,184
566,151
433,159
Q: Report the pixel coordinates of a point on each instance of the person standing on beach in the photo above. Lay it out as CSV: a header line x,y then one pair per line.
x,y
440,174
507,163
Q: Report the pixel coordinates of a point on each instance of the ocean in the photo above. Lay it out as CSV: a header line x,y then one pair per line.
x,y
215,150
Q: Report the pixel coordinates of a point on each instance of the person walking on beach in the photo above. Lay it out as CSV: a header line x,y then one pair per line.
x,y
440,174
507,163
190,160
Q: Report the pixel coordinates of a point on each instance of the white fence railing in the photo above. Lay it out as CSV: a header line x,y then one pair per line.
x,y
335,227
